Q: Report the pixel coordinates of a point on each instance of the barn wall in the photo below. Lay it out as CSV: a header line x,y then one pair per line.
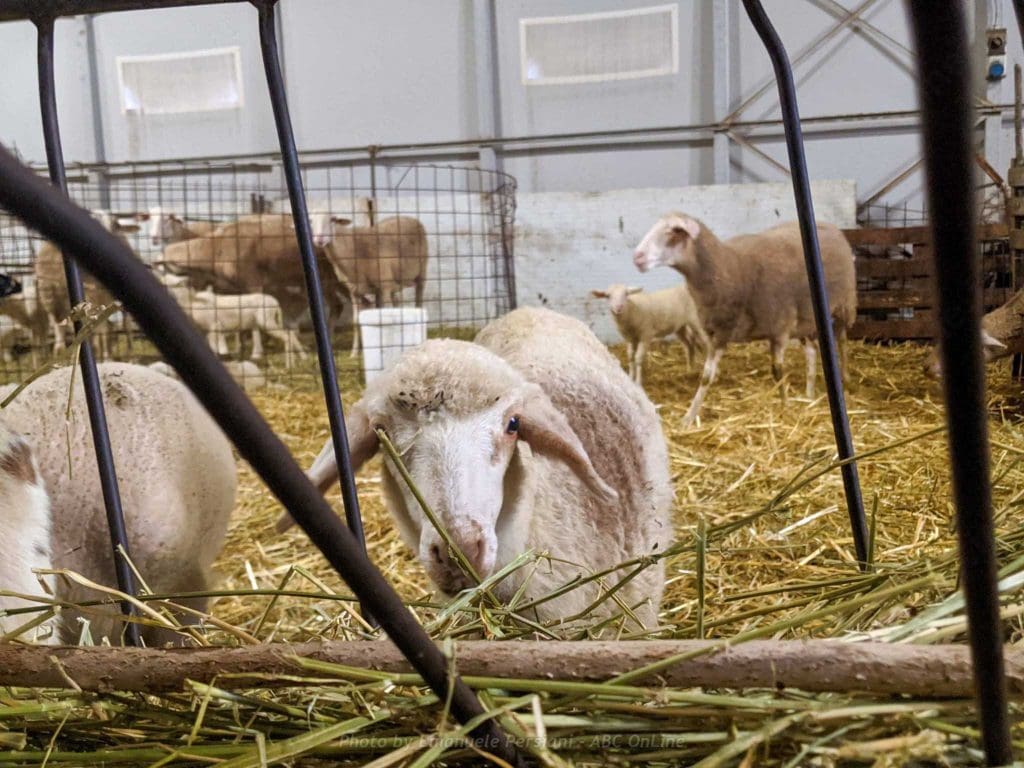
x,y
393,71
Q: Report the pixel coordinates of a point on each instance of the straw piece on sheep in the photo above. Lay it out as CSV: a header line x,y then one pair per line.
x,y
531,438
176,474
24,530
754,287
645,317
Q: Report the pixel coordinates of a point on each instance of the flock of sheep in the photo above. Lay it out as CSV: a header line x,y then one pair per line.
x,y
243,275
530,437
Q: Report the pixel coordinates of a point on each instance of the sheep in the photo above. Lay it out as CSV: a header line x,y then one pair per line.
x,y
1002,334
644,317
530,437
52,285
12,333
245,372
257,253
166,226
27,311
176,474
374,261
24,532
753,287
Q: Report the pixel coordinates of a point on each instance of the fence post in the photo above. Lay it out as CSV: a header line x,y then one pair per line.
x,y
90,375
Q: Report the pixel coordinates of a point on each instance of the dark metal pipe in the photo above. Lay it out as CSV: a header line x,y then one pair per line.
x,y
944,88
90,376
815,273
293,175
1018,10
27,196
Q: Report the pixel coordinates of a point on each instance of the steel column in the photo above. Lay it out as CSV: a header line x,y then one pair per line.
x,y
90,376
725,46
944,87
815,273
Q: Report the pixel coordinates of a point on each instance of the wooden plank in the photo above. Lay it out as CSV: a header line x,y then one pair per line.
x,y
887,235
904,297
918,328
918,266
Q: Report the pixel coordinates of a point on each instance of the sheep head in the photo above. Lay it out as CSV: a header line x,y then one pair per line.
x,y
467,427
616,295
671,242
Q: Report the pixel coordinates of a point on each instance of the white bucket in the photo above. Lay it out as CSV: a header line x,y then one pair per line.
x,y
386,333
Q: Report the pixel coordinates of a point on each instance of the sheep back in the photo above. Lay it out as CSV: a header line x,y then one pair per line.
x,y
175,469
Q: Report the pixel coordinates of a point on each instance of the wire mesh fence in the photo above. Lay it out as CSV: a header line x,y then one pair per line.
x,y
405,252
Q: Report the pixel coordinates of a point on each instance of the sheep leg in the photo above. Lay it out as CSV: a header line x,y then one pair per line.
x,y
687,338
631,360
419,282
257,345
811,353
778,349
641,355
706,380
843,351
58,335
355,324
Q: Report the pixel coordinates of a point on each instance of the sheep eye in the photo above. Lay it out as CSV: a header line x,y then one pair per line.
x,y
513,426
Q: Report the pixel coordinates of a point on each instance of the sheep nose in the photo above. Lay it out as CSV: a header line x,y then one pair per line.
x,y
474,550
639,261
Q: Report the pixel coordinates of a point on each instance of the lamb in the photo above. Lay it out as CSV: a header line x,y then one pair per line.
x,y
24,532
1002,334
166,226
753,287
531,437
374,261
176,473
645,317
258,253
53,291
26,311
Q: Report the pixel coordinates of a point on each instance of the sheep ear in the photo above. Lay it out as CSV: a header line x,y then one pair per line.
x,y
990,341
599,294
684,225
633,289
362,445
548,433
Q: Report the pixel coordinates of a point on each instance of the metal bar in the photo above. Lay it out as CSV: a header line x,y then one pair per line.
x,y
30,10
29,197
815,273
325,352
743,142
90,376
1018,11
725,47
944,87
96,107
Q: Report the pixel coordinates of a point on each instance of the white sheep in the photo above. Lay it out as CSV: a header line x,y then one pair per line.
x,y
754,287
645,317
166,226
176,474
530,438
24,532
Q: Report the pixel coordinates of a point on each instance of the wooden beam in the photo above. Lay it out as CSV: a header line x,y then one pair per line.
x,y
812,665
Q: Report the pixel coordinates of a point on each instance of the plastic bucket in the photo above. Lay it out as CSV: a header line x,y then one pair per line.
x,y
386,333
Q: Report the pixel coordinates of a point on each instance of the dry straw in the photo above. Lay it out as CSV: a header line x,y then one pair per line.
x,y
763,551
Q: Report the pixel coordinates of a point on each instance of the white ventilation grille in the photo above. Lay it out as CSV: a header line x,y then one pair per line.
x,y
599,47
175,83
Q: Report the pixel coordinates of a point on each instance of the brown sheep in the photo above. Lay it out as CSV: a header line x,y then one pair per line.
x,y
754,287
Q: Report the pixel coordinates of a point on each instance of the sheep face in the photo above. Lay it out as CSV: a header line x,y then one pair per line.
x,y
616,295
163,225
459,464
991,347
322,224
671,242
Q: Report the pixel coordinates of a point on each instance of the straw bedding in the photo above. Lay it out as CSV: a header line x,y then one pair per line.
x,y
764,550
